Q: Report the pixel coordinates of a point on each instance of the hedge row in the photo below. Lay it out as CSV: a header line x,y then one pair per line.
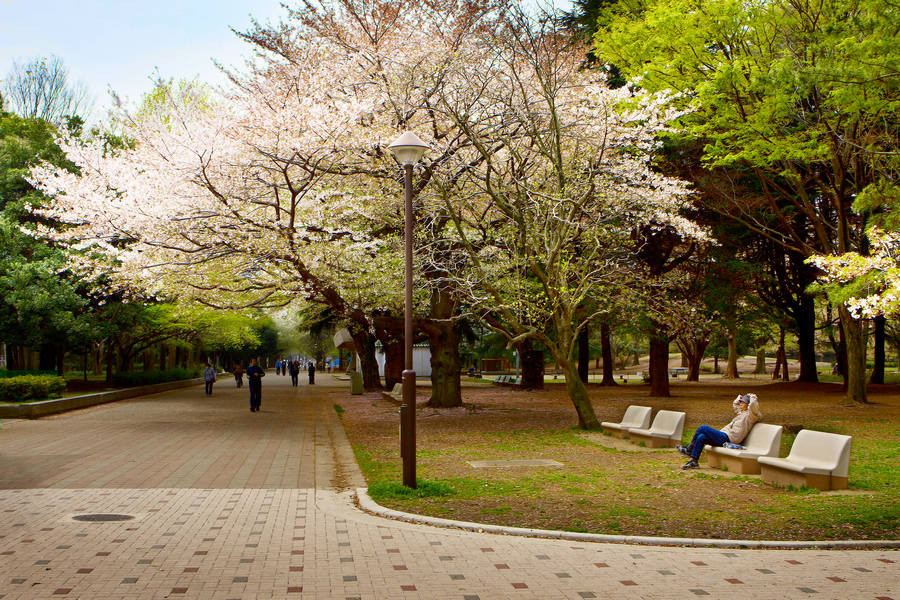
x,y
4,374
26,388
136,378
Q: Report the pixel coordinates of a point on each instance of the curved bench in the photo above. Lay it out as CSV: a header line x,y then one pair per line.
x,y
817,460
763,440
664,432
635,416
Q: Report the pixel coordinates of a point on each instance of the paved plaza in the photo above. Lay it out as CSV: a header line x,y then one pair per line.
x,y
225,503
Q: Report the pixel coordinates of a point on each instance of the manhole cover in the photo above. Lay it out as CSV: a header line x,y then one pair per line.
x,y
102,517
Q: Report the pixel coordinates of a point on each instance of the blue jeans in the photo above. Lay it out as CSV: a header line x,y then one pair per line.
x,y
706,436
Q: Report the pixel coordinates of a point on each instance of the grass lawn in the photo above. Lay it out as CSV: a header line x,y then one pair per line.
x,y
609,486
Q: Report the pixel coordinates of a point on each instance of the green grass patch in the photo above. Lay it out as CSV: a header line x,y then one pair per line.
x,y
339,409
394,490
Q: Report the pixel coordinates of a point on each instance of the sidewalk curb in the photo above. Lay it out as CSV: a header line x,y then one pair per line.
x,y
367,504
34,410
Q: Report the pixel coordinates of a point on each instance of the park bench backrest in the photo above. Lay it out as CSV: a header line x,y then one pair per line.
x,y
668,422
831,450
764,439
637,416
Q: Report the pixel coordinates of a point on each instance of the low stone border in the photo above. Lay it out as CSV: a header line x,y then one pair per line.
x,y
34,410
367,504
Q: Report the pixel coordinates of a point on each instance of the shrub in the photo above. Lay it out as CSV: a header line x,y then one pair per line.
x,y
136,378
4,374
25,388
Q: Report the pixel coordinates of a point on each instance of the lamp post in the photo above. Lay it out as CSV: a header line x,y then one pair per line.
x,y
408,150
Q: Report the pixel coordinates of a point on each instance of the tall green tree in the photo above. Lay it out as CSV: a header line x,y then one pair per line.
x,y
802,95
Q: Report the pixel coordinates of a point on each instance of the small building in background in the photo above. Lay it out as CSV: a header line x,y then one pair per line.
x,y
421,360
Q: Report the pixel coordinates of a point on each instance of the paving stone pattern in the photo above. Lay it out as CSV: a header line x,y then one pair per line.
x,y
229,504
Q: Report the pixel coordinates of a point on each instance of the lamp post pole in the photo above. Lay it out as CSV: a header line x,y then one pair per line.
x,y
408,149
408,410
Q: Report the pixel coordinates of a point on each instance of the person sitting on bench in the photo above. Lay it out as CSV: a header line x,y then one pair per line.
x,y
747,414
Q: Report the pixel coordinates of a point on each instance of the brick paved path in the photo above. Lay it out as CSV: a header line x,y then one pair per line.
x,y
233,504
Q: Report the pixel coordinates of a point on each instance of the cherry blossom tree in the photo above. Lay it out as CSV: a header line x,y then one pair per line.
x,y
556,180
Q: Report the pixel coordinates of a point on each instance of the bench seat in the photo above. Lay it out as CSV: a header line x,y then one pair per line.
x,y
763,440
635,416
817,460
664,432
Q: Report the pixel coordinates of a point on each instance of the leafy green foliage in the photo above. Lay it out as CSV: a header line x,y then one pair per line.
x,y
137,378
25,388
4,373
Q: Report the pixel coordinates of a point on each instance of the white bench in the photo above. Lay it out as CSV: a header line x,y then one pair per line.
x,y
394,394
817,460
763,440
635,416
665,431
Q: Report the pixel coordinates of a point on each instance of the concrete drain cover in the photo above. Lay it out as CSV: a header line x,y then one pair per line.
x,y
102,517
538,462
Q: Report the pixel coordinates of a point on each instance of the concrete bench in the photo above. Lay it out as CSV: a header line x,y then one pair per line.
x,y
817,460
394,394
665,431
635,416
763,440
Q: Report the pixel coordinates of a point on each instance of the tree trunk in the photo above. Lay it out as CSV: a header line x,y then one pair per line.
x,y
716,363
606,351
532,366
110,358
389,331
878,366
365,348
443,339
855,338
731,370
578,395
693,349
659,361
394,355
148,360
806,339
760,368
584,351
781,367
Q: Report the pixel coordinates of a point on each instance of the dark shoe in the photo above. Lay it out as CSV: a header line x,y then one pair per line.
x,y
691,464
683,449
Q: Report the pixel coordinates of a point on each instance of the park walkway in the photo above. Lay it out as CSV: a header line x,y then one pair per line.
x,y
232,504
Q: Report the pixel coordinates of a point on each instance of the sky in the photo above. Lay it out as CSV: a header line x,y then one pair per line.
x,y
119,44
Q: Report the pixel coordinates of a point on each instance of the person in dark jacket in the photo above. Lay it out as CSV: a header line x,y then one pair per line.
x,y
254,380
294,369
312,372
209,376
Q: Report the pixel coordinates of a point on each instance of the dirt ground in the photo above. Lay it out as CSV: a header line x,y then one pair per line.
x,y
607,487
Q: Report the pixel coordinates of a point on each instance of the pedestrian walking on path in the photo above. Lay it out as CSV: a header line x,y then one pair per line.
x,y
312,372
747,413
254,377
209,376
238,375
295,372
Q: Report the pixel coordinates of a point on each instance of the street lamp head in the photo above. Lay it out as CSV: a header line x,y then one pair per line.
x,y
408,148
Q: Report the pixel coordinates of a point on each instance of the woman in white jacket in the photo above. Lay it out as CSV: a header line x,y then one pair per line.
x,y
747,414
